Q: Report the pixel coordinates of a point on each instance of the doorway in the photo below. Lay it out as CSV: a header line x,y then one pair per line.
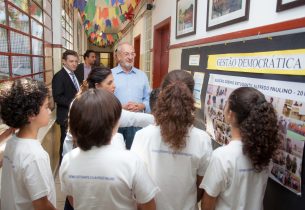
x,y
137,45
161,51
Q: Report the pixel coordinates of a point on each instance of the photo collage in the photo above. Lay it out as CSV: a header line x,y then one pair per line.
x,y
286,166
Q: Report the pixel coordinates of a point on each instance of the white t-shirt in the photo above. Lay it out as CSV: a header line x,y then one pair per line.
x,y
231,178
26,175
105,178
175,174
117,140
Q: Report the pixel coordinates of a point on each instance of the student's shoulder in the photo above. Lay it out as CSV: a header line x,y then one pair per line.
x,y
70,156
127,156
199,134
223,153
149,130
29,151
73,153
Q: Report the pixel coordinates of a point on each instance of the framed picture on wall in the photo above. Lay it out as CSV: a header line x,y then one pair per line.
x,y
288,4
185,17
225,12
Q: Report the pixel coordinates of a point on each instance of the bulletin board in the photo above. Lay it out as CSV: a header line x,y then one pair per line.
x,y
275,66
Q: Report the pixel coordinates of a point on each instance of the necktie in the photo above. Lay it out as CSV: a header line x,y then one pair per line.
x,y
74,81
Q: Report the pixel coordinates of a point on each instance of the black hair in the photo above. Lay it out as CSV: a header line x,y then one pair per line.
x,y
87,53
21,99
153,97
258,125
97,75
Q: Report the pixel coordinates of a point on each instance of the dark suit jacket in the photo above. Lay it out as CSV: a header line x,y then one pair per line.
x,y
79,72
64,92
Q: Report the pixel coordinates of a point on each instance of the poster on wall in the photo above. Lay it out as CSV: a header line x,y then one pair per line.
x,y
198,78
285,62
288,98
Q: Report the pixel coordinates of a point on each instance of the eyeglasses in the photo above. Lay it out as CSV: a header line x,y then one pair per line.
x,y
127,54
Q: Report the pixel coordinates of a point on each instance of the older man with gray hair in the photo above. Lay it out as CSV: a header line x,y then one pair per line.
x,y
132,87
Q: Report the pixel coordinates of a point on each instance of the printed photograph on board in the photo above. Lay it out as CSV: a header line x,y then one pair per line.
x,y
287,98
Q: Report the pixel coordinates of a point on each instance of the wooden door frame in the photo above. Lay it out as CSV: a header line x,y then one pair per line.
x,y
157,49
137,38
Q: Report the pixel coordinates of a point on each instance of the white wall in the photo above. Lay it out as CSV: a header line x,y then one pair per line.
x,y
139,30
262,12
56,22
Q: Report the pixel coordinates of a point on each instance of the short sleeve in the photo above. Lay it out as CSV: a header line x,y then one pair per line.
x,y
35,177
214,180
136,146
63,176
205,158
144,188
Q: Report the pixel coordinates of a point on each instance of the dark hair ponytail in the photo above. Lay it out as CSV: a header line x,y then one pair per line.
x,y
97,75
258,125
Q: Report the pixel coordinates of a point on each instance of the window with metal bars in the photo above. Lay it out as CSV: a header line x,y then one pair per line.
x,y
67,26
26,40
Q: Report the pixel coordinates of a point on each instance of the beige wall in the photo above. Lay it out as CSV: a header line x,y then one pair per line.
x,y
57,64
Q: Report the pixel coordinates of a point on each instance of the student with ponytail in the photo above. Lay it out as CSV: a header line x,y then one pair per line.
x,y
237,174
175,152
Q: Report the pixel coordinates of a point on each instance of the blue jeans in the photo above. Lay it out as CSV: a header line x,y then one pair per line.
x,y
128,134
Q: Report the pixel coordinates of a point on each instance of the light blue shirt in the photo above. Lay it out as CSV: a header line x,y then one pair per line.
x,y
132,86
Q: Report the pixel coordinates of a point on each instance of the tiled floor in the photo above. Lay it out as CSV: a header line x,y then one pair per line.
x,y
59,195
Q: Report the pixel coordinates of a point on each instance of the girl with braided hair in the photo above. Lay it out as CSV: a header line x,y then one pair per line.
x,y
237,174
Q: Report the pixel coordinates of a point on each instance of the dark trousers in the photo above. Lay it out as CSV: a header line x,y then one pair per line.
x,y
68,205
128,133
63,133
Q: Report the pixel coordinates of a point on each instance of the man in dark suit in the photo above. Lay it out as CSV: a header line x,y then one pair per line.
x,y
83,69
65,85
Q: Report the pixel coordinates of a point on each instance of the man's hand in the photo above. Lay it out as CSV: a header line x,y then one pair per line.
x,y
134,107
